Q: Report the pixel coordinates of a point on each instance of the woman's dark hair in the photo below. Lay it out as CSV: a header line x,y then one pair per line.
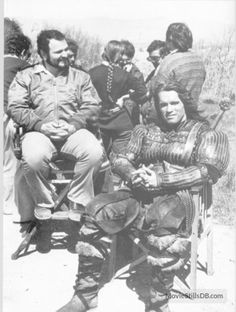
x,y
16,44
183,94
180,36
129,49
45,36
112,54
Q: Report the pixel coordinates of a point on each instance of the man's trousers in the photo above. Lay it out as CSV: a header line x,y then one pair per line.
x,y
38,150
9,166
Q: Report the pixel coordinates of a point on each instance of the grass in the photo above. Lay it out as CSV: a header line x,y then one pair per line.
x,y
219,60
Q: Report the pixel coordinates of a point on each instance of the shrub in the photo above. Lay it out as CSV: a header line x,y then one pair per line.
x,y
89,53
219,60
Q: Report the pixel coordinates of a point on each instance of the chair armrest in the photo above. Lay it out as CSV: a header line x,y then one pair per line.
x,y
19,131
196,189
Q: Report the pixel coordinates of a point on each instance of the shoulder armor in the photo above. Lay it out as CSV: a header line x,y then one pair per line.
x,y
213,151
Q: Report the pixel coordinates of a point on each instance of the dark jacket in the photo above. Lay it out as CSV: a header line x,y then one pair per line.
x,y
122,82
11,66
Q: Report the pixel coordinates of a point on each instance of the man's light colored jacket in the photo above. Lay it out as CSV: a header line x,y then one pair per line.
x,y
36,97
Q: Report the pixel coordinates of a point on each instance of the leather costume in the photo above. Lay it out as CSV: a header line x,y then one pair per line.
x,y
189,155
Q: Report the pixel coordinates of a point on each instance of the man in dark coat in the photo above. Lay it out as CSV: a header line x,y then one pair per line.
x,y
16,53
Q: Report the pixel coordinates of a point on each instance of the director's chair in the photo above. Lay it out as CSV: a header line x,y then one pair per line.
x,y
201,229
60,179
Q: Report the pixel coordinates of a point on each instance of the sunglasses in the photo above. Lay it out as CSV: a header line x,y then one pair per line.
x,y
153,58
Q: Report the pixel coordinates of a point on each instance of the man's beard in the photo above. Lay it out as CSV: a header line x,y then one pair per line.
x,y
56,63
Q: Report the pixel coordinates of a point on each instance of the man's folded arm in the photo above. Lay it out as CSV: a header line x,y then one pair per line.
x,y
19,105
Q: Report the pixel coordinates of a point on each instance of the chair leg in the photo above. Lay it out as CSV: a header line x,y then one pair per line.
x,y
112,260
194,244
210,270
136,244
30,232
130,266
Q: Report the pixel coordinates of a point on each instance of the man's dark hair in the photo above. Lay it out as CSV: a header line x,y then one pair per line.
x,y
16,44
72,45
11,27
155,45
158,45
129,49
180,36
45,36
183,94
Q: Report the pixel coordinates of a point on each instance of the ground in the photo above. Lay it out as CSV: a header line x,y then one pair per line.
x,y
39,282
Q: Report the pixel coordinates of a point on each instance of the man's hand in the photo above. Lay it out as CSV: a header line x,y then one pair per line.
x,y
121,100
144,176
57,131
63,125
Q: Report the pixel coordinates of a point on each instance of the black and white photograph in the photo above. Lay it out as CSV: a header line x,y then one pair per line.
x,y
118,156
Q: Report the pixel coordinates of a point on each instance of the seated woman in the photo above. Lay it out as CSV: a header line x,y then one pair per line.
x,y
180,154
126,63
111,83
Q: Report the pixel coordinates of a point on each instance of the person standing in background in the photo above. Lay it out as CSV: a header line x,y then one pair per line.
x,y
127,64
183,66
156,52
16,54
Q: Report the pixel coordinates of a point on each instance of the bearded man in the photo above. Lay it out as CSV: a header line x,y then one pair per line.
x,y
53,102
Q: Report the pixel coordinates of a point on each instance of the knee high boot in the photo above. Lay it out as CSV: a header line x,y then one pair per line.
x,y
92,255
169,254
161,285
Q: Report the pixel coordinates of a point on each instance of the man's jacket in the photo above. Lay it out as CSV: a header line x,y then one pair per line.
x,y
12,65
37,97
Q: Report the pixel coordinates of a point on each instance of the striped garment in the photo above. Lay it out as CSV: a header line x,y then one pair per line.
x,y
185,68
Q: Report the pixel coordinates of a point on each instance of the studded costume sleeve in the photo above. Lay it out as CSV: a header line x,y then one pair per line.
x,y
209,161
124,165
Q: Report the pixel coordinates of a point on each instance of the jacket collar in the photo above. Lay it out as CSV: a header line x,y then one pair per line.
x,y
174,51
40,68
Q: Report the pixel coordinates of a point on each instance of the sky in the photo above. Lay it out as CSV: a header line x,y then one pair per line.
x,y
136,20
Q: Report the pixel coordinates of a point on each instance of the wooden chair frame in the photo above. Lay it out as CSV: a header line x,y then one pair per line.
x,y
203,217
